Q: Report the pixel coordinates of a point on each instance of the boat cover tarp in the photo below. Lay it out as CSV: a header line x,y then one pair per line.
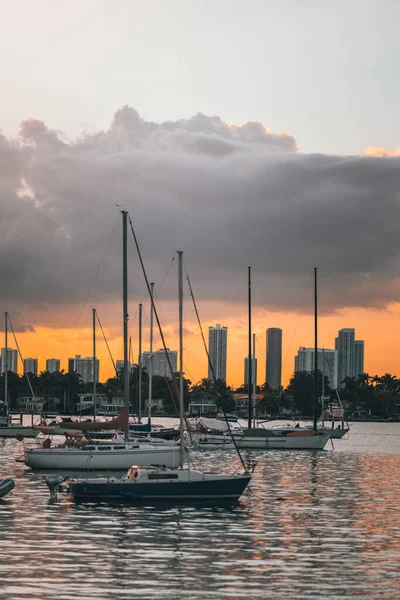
x,y
119,422
214,424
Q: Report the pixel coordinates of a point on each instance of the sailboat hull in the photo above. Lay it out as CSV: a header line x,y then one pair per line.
x,y
100,460
10,431
283,442
124,490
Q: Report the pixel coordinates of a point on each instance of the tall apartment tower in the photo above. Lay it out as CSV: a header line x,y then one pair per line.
x,y
84,366
9,357
217,349
53,365
160,364
326,362
274,358
31,366
350,355
253,370
358,357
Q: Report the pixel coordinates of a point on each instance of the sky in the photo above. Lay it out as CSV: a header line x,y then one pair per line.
x,y
258,133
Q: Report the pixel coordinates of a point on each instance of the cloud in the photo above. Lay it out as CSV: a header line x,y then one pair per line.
x,y
376,151
228,195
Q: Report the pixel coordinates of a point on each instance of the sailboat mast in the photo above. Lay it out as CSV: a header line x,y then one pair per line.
x,y
180,294
94,364
140,365
315,348
249,379
323,388
125,313
151,351
254,379
6,363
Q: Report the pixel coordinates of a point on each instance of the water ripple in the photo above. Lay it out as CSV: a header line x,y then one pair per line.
x,y
323,524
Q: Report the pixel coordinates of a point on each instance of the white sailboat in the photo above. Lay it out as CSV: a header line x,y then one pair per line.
x,y
117,456
162,484
8,429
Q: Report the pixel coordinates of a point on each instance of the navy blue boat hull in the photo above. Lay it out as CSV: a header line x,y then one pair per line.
x,y
114,490
6,485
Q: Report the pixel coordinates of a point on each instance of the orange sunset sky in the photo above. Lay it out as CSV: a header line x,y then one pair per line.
x,y
378,328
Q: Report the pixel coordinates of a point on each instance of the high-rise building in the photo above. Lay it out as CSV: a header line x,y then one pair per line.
x,y
344,344
9,357
217,349
350,355
53,365
253,370
326,362
84,366
31,366
160,365
273,374
358,357
119,365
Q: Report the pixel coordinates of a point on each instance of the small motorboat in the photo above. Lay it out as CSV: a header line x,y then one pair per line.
x,y
6,485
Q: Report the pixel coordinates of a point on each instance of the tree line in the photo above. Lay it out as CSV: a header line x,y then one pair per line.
x,y
364,395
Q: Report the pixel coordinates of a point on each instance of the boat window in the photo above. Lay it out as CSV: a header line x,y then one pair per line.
x,y
104,448
163,476
89,448
119,447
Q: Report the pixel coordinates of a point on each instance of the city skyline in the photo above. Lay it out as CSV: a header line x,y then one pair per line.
x,y
235,381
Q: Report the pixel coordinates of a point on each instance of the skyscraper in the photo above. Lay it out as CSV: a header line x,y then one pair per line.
x,y
274,358
217,349
350,355
9,357
344,344
358,357
31,366
326,362
53,365
253,370
84,366
160,365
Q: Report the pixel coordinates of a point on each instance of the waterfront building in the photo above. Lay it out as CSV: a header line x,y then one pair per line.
x,y
84,366
159,360
350,355
9,357
31,366
273,374
253,370
53,365
217,349
326,362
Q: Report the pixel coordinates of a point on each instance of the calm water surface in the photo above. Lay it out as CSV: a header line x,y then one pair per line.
x,y
323,524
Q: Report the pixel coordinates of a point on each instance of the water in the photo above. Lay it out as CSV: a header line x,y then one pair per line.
x,y
323,524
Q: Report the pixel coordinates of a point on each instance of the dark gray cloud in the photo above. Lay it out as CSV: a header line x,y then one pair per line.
x,y
229,196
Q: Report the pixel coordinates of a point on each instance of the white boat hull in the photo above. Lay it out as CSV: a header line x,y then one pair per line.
x,y
10,431
302,442
81,460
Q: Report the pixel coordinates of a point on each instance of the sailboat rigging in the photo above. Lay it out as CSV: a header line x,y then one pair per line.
x,y
183,483
7,427
117,455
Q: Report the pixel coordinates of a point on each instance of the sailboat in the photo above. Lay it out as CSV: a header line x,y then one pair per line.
x,y
78,454
286,438
8,429
183,483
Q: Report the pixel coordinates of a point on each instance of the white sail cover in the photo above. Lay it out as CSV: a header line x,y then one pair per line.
x,y
214,424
